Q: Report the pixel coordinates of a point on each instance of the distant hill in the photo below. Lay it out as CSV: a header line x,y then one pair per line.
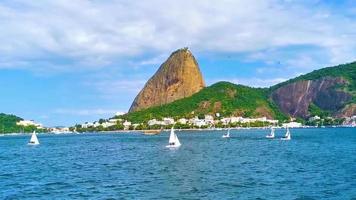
x,y
348,71
223,97
8,124
330,90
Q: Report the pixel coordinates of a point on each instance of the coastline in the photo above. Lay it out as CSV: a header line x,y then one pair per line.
x,y
159,131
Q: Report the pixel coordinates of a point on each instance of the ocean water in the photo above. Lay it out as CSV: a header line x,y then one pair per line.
x,y
315,164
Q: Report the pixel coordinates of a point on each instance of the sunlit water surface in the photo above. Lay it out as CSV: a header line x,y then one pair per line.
x,y
315,164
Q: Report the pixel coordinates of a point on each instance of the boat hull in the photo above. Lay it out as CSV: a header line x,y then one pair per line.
x,y
173,146
32,144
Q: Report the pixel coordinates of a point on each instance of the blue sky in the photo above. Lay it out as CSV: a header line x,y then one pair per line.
x,y
67,62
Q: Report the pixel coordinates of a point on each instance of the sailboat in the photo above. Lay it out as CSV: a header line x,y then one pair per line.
x,y
227,135
287,136
271,134
173,140
34,139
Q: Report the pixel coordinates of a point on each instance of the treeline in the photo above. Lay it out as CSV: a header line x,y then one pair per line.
x,y
145,126
224,98
8,125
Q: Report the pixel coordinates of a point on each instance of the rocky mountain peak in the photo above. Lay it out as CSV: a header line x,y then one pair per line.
x,y
178,77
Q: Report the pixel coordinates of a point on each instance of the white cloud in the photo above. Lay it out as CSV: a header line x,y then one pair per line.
x,y
92,34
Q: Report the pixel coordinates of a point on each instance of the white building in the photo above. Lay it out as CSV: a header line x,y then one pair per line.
x,y
209,119
316,117
168,121
182,121
96,124
225,121
235,119
155,122
108,124
292,125
29,123
126,124
197,122
87,125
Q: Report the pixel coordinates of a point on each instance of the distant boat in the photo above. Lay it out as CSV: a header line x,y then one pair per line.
x,y
287,136
271,134
227,135
151,132
173,140
34,139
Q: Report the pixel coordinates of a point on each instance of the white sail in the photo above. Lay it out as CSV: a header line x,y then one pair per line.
x,y
173,140
271,135
177,140
227,135
34,139
287,136
172,137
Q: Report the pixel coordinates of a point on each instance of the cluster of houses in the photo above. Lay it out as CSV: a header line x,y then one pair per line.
x,y
209,121
29,123
206,121
106,124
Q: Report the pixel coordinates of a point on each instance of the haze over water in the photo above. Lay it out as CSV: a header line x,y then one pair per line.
x,y
315,164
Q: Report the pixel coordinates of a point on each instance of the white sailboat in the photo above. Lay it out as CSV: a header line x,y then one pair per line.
x,y
271,134
173,140
287,136
227,135
34,139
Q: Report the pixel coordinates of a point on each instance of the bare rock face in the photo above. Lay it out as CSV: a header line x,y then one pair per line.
x,y
294,98
348,111
178,77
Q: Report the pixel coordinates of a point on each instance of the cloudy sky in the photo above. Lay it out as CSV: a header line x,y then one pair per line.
x,y
72,61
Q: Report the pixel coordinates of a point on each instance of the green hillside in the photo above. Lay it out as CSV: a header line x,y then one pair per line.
x,y
223,97
347,71
238,100
8,124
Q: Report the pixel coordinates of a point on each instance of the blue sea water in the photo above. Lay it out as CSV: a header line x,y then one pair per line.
x,y
315,164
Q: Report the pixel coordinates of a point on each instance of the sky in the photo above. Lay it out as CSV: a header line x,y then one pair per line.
x,y
65,62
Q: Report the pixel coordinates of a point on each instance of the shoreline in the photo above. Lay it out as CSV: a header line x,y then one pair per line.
x,y
159,131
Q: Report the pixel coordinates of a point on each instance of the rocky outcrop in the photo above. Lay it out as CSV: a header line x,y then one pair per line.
x,y
294,98
178,77
348,111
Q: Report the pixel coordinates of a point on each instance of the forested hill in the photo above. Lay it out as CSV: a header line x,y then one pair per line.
x,y
223,97
8,124
330,90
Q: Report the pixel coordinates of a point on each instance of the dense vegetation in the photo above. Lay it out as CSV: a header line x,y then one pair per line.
x,y
347,71
8,124
230,99
314,110
224,98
